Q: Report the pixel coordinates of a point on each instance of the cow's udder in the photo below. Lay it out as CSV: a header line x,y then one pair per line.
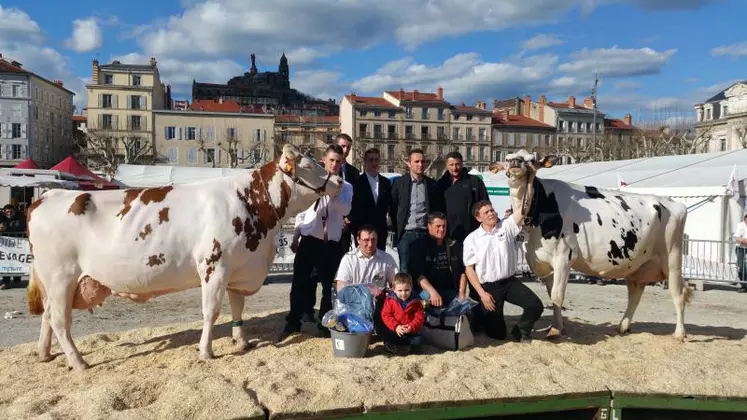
x,y
89,293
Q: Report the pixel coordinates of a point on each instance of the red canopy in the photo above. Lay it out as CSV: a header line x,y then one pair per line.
x,y
86,179
27,164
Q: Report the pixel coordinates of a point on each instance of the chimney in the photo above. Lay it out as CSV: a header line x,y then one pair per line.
x,y
415,95
401,94
571,102
481,105
543,102
58,82
527,105
440,93
628,119
153,61
95,73
588,103
352,97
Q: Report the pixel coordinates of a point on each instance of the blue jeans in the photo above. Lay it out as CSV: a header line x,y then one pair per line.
x,y
403,246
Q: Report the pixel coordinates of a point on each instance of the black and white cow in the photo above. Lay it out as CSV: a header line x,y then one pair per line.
x,y
610,234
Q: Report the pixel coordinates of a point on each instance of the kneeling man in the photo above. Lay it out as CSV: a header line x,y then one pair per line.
x,y
490,257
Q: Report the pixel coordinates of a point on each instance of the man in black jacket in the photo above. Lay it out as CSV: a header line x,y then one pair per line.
x,y
436,264
371,198
461,192
414,195
349,174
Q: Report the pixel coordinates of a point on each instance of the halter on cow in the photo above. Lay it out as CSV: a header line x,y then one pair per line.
x,y
610,234
141,243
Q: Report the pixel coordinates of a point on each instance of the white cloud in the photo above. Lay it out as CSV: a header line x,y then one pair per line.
x,y
16,25
617,62
322,84
463,76
735,50
86,36
541,41
22,39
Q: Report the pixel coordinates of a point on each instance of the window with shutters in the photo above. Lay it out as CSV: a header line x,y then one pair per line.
x,y
169,133
15,90
106,101
192,155
135,102
135,80
106,122
173,154
135,122
191,133
108,79
209,155
15,131
16,152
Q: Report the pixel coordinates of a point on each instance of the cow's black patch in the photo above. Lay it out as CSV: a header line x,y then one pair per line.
x,y
575,228
657,207
629,241
570,254
599,219
562,235
614,223
615,252
544,212
593,192
623,204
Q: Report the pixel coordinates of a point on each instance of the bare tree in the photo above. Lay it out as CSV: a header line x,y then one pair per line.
x,y
208,152
106,150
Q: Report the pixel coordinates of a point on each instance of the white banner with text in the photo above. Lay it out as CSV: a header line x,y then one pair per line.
x,y
15,255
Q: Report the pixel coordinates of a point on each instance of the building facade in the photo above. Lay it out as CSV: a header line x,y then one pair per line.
x,y
213,139
308,133
269,89
721,121
34,117
121,98
400,121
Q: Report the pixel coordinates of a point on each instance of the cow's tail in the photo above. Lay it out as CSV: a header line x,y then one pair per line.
x,y
35,294
687,293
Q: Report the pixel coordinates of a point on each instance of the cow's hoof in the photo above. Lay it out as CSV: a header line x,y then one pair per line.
x,y
553,334
242,344
679,335
44,358
80,366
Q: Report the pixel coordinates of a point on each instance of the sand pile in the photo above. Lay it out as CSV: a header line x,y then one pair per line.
x,y
154,372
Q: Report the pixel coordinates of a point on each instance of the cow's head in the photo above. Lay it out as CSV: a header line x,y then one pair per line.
x,y
522,166
307,173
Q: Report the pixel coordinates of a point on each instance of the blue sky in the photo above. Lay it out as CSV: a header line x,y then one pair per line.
x,y
655,58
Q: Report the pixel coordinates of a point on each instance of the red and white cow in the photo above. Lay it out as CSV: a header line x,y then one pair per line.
x,y
140,243
610,234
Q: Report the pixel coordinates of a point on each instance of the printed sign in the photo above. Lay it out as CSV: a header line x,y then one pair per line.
x,y
340,344
15,255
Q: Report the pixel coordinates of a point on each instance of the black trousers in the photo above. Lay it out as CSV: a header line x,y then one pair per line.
x,y
312,254
741,266
512,291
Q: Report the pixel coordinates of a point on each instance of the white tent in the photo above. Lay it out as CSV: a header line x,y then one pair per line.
x,y
699,181
156,176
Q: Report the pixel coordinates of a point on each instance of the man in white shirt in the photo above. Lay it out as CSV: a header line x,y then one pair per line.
x,y
490,258
740,236
316,242
367,263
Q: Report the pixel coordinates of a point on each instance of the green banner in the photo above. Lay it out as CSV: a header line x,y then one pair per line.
x,y
497,191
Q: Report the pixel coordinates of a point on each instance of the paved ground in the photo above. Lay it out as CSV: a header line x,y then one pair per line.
x,y
590,303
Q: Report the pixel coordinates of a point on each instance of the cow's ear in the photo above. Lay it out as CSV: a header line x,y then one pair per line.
x,y
549,161
287,162
497,167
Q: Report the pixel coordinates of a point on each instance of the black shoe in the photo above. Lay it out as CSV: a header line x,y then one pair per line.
x,y
289,330
390,348
308,318
323,332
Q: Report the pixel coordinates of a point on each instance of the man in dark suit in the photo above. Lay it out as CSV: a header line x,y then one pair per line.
x,y
414,195
371,198
349,174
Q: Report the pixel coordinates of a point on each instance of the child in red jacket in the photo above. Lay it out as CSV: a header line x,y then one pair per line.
x,y
403,316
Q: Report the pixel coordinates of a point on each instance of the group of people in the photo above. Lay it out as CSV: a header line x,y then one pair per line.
x,y
13,223
447,236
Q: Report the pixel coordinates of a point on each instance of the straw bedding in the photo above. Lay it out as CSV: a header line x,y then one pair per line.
x,y
153,373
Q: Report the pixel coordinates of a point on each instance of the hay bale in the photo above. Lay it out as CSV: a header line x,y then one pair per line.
x,y
154,373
